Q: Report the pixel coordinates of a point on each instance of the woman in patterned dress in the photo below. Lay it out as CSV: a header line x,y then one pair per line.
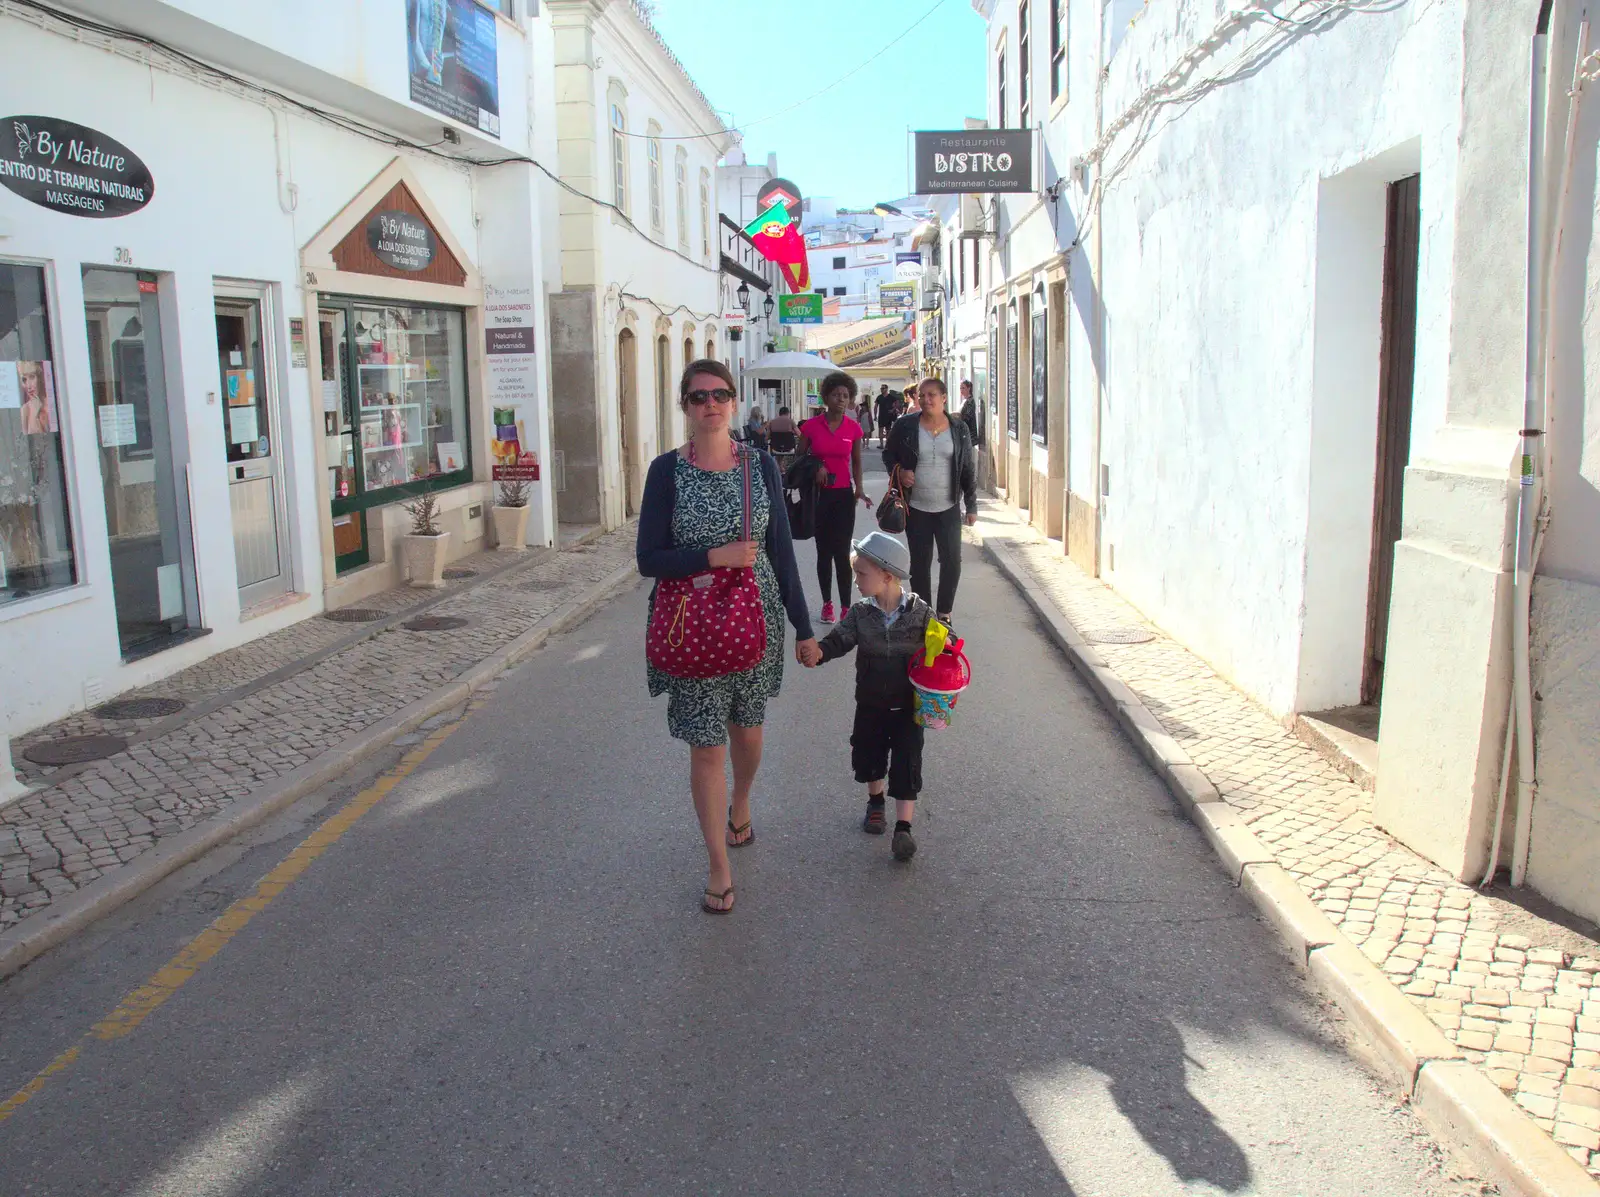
x,y
691,520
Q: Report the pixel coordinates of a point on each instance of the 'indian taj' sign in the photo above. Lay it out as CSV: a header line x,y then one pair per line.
x,y
400,239
71,168
975,162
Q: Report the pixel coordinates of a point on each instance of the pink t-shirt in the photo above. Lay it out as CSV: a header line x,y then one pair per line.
x,y
832,447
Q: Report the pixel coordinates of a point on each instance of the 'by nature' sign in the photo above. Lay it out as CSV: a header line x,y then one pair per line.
x,y
975,162
71,168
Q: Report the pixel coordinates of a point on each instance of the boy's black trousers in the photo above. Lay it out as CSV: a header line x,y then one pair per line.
x,y
887,742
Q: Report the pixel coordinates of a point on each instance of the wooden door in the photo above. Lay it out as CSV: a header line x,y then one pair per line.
x,y
1396,373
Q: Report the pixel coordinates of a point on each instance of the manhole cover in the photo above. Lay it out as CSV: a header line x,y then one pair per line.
x,y
455,575
353,615
140,708
1118,636
74,750
434,623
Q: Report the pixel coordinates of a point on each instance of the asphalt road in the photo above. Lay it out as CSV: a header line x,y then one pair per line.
x,y
499,980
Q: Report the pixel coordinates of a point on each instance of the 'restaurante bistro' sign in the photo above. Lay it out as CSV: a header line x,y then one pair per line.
x,y
71,168
975,162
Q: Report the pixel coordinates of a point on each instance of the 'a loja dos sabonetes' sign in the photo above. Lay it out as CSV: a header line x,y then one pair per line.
x,y
975,162
71,168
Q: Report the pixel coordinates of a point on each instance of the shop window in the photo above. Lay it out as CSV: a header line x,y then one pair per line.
x,y
396,402
142,474
35,531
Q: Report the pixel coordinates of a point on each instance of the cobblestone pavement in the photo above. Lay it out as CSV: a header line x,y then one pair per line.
x,y
97,818
1519,995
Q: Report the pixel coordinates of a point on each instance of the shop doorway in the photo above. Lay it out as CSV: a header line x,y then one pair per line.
x,y
146,491
1397,369
628,416
252,443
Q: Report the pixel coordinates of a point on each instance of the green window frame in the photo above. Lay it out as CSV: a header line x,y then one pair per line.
x,y
425,403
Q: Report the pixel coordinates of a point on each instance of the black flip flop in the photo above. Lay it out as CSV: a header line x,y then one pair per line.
x,y
738,831
722,897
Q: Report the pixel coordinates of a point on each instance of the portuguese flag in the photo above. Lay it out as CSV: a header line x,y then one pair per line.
x,y
777,235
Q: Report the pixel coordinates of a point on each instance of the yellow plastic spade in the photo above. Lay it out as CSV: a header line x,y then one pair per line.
x,y
934,642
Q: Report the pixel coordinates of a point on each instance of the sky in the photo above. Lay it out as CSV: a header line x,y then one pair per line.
x,y
754,57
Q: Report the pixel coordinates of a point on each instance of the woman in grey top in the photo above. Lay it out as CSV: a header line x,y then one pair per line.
x,y
936,459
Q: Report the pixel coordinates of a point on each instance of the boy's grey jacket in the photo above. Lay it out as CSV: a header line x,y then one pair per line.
x,y
883,652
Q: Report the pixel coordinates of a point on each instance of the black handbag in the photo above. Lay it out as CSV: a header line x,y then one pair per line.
x,y
892,508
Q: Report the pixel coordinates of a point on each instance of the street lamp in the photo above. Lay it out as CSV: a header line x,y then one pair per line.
x,y
886,210
743,294
767,305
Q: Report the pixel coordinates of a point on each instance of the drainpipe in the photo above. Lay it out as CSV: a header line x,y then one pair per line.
x,y
1530,488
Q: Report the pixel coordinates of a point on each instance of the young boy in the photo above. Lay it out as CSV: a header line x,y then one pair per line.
x,y
886,628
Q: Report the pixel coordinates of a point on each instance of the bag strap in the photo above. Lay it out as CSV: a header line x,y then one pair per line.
x,y
745,456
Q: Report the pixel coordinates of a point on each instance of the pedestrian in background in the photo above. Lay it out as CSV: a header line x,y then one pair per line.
x,y
937,462
835,438
884,406
755,428
969,410
691,520
886,629
864,417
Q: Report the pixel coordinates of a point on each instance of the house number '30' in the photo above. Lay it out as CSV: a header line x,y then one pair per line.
x,y
122,255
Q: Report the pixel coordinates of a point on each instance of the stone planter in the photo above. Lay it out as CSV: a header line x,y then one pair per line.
x,y
425,559
511,528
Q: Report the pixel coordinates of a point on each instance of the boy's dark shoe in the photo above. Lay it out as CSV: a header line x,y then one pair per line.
x,y
874,823
904,847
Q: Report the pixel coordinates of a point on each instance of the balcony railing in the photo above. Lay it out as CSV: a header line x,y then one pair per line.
x,y
741,258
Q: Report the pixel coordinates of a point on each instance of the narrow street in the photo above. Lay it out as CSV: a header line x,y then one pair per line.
x,y
499,980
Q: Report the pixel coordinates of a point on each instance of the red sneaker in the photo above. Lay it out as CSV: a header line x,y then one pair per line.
x,y
827,613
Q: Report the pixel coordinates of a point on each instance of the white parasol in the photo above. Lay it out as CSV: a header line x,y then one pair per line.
x,y
789,365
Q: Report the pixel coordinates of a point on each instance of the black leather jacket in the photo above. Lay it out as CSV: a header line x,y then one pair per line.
x,y
901,450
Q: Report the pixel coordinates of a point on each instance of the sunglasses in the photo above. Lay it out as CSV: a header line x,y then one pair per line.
x,y
701,398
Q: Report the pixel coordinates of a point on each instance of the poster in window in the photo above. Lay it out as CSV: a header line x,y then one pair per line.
x,y
1041,409
454,61
1013,423
994,360
36,383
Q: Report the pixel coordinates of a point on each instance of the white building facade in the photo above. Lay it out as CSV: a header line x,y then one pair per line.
x,y
640,295
255,317
1259,353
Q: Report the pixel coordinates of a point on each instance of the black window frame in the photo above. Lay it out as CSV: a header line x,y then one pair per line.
x,y
1024,52
1000,84
838,291
1059,10
838,263
361,499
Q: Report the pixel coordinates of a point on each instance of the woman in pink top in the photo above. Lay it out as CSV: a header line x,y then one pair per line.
x,y
834,438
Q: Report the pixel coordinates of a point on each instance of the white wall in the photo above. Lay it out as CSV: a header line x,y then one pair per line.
x,y
217,212
642,270
1211,284
1566,597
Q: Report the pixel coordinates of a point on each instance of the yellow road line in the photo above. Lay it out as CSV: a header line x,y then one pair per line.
x,y
171,976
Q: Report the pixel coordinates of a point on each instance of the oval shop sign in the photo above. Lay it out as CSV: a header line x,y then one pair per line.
x,y
71,169
400,239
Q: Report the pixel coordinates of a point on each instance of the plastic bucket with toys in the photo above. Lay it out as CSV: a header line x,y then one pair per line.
x,y
938,677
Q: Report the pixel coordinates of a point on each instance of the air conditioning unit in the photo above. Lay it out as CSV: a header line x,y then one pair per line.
x,y
973,221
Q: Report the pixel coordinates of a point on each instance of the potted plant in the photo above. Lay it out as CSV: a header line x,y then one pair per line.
x,y
425,546
511,516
